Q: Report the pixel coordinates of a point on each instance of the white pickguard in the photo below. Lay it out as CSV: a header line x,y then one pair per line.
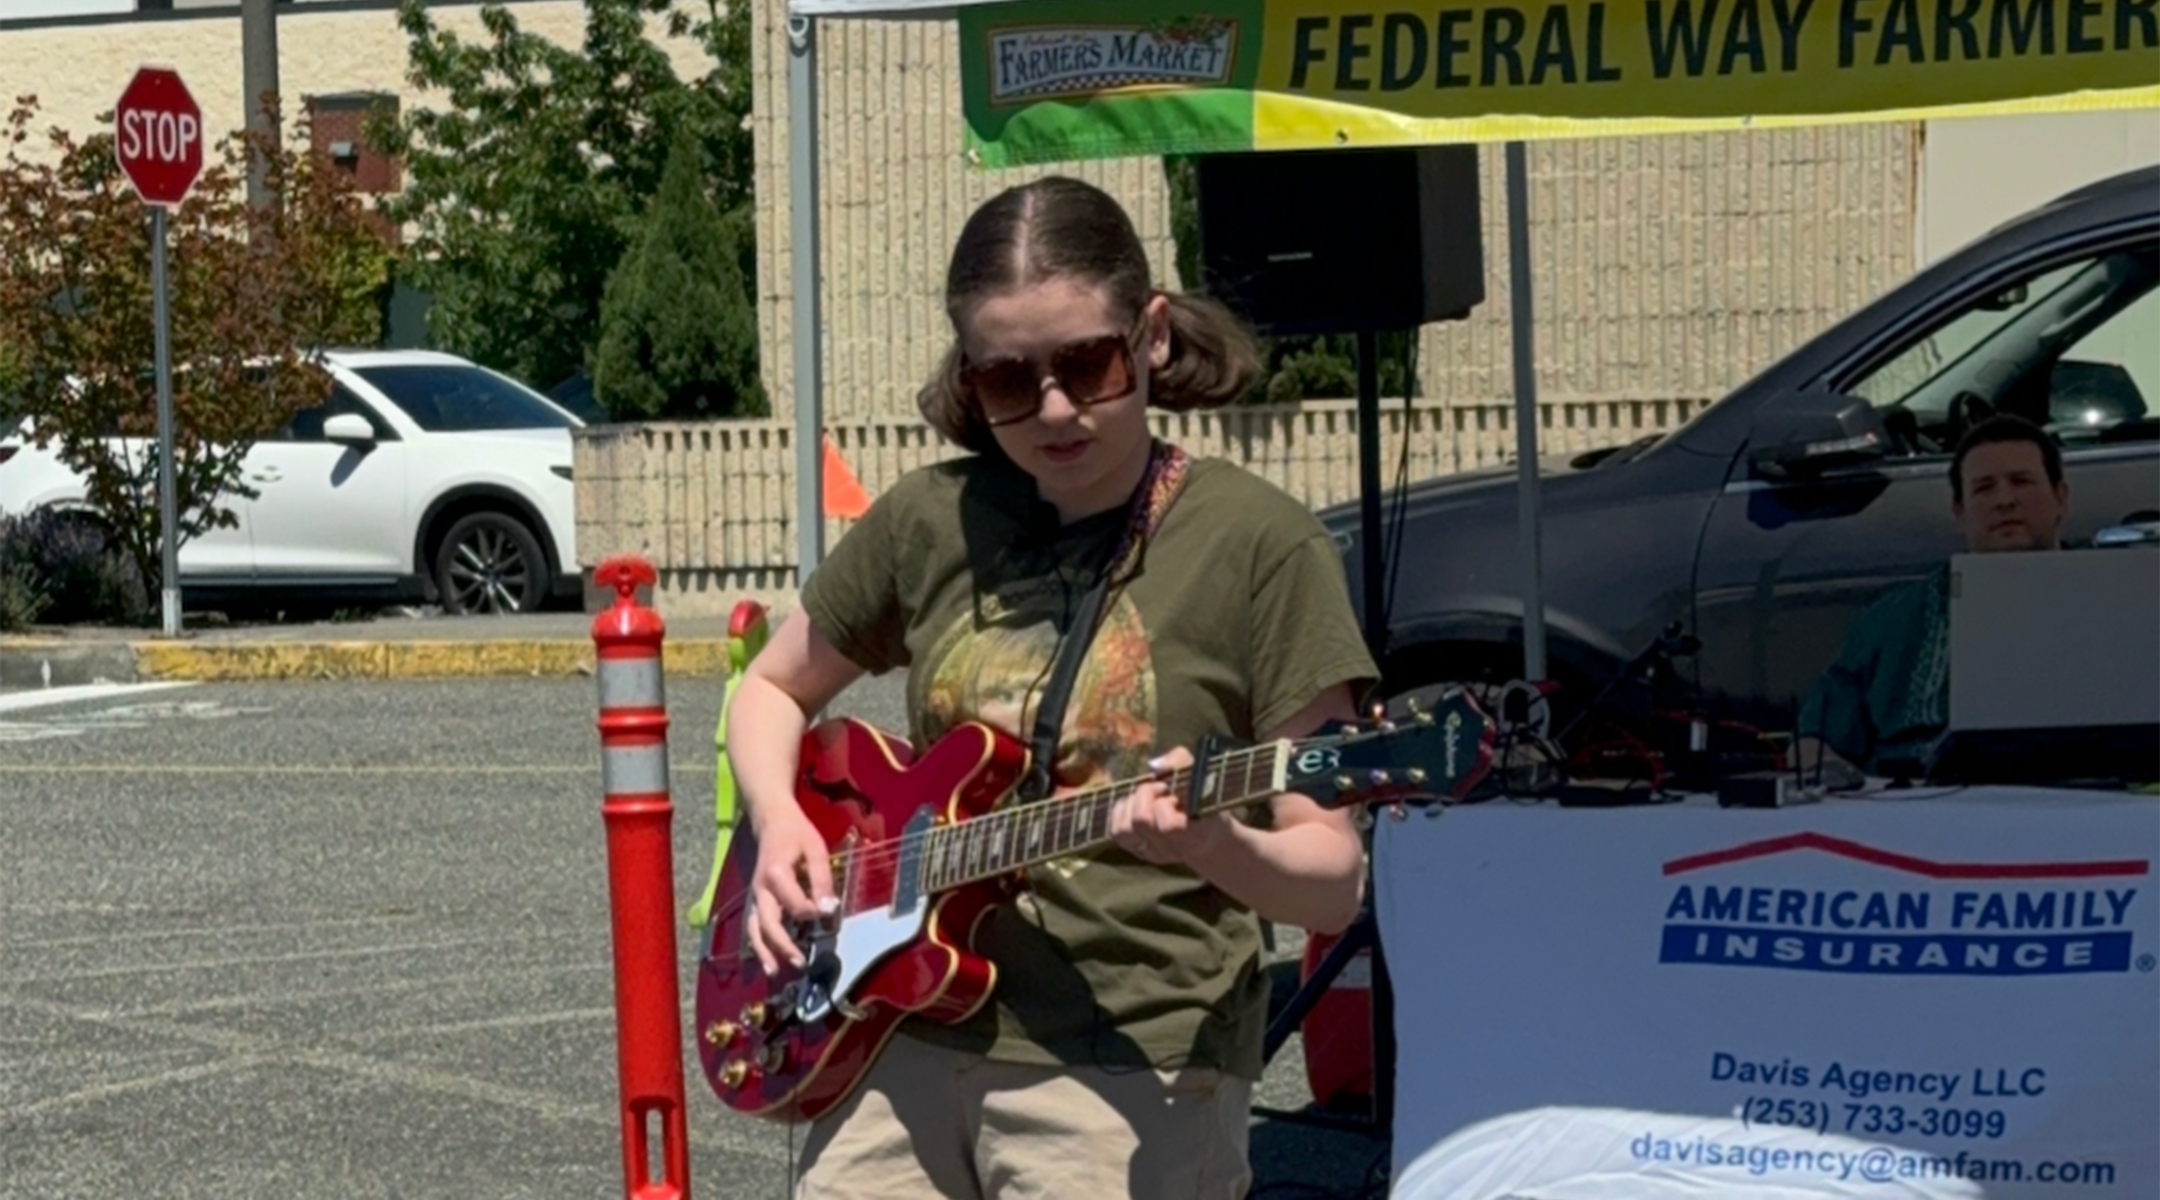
x,y
863,941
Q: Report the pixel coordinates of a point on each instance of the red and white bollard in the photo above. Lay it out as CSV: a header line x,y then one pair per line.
x,y
641,880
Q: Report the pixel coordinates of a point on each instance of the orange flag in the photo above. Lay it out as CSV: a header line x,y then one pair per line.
x,y
844,495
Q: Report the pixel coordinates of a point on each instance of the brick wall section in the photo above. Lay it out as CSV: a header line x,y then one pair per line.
x,y
894,192
712,503
335,121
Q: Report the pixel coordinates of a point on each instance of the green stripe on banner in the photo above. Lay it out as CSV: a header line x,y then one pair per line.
x,y
1080,79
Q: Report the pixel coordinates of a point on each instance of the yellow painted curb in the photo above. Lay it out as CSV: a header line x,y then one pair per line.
x,y
401,660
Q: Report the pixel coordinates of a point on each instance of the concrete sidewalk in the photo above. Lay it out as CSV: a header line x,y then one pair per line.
x,y
388,646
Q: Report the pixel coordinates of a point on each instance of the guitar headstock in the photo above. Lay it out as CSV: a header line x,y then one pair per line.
x,y
1432,756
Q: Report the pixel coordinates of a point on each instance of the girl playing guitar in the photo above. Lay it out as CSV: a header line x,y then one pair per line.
x,y
1117,1049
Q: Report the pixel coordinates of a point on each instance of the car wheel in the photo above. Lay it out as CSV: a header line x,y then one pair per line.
x,y
489,562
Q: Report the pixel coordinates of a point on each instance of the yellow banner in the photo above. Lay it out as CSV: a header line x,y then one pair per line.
x,y
1333,72
1050,80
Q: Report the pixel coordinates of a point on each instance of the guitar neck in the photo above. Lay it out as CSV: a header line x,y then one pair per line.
x,y
1007,840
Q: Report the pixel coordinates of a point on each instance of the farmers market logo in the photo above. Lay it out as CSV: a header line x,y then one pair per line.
x,y
1041,62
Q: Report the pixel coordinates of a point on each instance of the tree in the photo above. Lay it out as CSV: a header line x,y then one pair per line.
x,y
250,291
678,336
524,191
1305,367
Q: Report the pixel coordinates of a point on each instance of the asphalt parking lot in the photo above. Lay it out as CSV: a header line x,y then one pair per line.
x,y
350,939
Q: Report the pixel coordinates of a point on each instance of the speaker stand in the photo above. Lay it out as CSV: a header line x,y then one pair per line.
x,y
1373,557
1364,933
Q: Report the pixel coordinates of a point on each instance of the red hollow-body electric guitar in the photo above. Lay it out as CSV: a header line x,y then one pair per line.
x,y
920,853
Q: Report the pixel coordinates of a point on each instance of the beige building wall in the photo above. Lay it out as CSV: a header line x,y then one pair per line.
x,y
1671,266
1980,172
77,70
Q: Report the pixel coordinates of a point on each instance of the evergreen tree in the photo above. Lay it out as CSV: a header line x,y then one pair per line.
x,y
524,184
678,335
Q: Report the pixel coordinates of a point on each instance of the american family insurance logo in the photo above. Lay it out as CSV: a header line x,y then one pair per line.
x,y
1922,918
1043,62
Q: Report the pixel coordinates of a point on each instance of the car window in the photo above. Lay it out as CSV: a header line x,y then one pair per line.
x,y
2072,346
306,425
464,399
2104,386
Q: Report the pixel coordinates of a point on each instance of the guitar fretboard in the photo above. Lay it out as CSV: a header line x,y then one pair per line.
x,y
1000,842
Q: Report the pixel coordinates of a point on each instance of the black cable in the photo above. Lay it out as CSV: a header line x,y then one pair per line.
x,y
1670,643
1399,521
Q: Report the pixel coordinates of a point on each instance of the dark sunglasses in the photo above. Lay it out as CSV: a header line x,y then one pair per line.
x,y
1093,370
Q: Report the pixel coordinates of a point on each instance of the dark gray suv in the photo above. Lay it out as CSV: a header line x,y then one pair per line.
x,y
1770,520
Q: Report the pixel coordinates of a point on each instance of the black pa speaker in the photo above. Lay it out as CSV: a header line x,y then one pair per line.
x,y
1338,241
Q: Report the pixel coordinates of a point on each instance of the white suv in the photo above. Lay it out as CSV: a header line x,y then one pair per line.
x,y
421,476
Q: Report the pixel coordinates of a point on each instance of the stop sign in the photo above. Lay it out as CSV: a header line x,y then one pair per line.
x,y
159,136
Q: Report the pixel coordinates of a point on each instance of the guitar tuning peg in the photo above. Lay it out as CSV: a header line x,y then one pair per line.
x,y
1398,812
1433,811
1345,784
1411,703
1416,775
1379,777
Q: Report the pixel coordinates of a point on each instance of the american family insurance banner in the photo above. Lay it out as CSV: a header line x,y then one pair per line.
x,y
1066,79
1879,999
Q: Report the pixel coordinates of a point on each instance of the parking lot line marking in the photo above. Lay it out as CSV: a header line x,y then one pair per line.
x,y
251,1049
80,693
519,1021
142,1083
184,1008
248,960
139,929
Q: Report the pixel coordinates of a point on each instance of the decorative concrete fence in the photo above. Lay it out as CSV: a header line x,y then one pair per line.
x,y
712,504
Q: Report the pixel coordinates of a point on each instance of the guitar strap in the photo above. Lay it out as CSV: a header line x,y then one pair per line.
x,y
1167,465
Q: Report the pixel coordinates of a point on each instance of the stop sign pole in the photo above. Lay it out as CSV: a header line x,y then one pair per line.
x,y
158,142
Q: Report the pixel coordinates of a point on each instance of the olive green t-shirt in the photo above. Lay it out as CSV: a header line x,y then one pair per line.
x,y
1236,619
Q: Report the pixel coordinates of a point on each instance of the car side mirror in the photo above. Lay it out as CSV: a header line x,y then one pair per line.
x,y
1800,435
2128,534
349,429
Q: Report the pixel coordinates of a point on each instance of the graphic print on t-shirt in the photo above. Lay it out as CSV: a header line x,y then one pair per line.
x,y
994,672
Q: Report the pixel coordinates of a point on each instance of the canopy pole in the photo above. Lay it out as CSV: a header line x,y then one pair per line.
x,y
808,324
1370,534
1521,314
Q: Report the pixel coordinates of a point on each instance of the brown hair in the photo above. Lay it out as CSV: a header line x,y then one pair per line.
x,y
1061,228
2005,427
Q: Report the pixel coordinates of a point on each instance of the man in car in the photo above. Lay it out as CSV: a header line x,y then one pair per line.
x,y
1883,703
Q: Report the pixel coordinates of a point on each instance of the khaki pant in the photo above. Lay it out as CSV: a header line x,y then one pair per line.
x,y
929,1123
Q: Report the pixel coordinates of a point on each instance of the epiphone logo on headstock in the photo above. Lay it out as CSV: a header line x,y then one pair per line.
x,y
1454,740
1317,761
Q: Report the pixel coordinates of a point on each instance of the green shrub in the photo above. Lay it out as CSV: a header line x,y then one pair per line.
x,y
61,568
